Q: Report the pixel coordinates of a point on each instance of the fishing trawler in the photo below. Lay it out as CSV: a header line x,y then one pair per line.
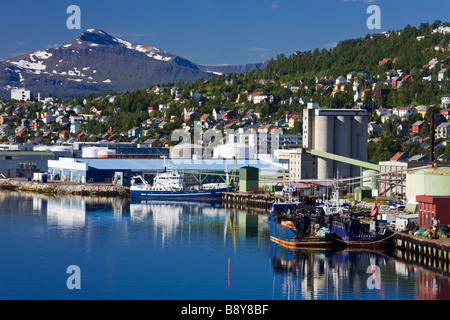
x,y
354,231
295,226
169,185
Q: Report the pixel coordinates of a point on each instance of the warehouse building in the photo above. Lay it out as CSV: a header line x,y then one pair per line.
x,y
15,164
105,170
429,207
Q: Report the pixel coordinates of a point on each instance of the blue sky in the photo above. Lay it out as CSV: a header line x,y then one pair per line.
x,y
210,32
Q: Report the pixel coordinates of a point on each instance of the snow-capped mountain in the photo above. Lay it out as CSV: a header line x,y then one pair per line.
x,y
96,62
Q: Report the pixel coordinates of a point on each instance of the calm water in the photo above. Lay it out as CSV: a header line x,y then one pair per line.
x,y
178,251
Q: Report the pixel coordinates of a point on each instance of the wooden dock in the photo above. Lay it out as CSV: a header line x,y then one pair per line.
x,y
252,201
247,201
432,253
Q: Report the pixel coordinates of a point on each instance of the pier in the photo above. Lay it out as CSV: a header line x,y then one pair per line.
x,y
432,253
255,201
247,201
65,188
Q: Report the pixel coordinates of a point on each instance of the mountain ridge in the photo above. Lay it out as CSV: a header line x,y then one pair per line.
x,y
96,61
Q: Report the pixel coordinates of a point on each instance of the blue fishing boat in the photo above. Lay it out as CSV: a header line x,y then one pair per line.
x,y
352,230
169,185
294,226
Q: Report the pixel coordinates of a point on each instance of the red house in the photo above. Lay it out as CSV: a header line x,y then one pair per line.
x,y
230,115
154,107
433,207
446,113
417,126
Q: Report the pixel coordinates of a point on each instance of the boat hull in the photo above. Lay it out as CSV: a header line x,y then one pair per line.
x,y
342,238
303,242
182,195
287,237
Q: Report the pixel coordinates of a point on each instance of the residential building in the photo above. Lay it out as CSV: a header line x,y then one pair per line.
x,y
375,128
443,75
416,126
445,99
5,130
404,112
75,127
446,113
21,94
443,130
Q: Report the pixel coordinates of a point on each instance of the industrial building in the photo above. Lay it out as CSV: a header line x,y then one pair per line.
x,y
341,132
431,181
248,179
430,207
394,173
302,165
105,170
15,164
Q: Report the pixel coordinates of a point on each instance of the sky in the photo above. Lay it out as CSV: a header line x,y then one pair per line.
x,y
210,32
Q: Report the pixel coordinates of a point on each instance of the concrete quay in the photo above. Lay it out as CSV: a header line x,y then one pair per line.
x,y
64,188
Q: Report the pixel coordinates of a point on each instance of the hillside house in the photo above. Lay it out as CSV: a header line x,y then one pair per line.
x,y
153,107
443,75
399,156
134,132
382,111
218,114
205,117
75,127
230,115
445,99
416,126
422,110
388,117
404,112
375,128
443,130
5,130
48,119
446,113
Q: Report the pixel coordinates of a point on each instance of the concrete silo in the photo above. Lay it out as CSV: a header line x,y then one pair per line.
x,y
359,142
324,141
342,142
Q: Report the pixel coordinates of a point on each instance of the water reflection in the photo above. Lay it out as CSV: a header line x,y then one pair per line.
x,y
110,227
350,274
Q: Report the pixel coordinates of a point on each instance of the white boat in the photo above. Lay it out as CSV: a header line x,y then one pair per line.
x,y
169,185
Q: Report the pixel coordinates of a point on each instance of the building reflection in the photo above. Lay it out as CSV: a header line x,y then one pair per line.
x,y
311,274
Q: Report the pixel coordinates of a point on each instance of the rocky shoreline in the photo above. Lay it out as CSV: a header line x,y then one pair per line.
x,y
57,188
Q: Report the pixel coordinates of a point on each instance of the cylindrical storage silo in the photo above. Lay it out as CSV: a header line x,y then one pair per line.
x,y
324,141
91,152
343,144
107,154
359,142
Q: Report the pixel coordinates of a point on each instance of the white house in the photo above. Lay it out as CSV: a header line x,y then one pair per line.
x,y
443,130
75,127
21,94
442,30
445,99
443,75
404,112
48,119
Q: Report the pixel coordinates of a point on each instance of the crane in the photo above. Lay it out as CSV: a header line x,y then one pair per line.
x,y
376,205
233,173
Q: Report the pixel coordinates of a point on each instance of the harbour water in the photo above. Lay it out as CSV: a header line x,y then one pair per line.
x,y
182,251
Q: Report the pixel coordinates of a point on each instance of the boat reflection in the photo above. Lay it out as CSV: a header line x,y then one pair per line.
x,y
310,274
